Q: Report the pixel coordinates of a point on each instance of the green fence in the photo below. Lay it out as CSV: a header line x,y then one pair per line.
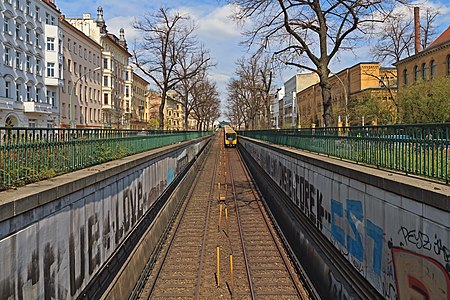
x,y
32,154
421,150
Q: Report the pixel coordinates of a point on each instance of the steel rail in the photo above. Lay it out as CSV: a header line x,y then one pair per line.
x,y
286,262
241,235
211,190
178,226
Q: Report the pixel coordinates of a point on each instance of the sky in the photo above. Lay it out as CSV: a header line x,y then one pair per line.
x,y
216,30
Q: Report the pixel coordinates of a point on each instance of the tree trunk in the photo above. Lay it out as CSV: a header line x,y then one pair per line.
x,y
161,109
326,101
186,114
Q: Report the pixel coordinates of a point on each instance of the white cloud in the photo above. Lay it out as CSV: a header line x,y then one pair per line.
x,y
218,25
125,22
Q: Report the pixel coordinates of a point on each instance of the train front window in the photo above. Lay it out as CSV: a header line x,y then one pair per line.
x,y
231,136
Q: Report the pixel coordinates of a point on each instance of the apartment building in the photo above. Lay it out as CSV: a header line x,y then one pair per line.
x,y
80,101
294,85
432,62
152,104
115,68
53,57
173,112
140,91
365,79
29,37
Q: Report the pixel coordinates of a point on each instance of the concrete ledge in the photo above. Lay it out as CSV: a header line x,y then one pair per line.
x,y
17,201
432,193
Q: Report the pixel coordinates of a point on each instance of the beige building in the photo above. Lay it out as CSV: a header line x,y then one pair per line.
x,y
361,80
173,112
115,69
138,103
152,104
288,107
432,62
80,105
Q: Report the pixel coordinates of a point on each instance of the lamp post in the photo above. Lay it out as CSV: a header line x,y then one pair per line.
x,y
72,125
345,96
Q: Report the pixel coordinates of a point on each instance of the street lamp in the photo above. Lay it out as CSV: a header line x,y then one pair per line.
x,y
72,125
345,96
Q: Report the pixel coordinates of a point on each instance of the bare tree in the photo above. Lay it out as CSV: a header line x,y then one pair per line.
x,y
396,35
192,70
167,37
427,26
395,39
206,104
252,89
308,34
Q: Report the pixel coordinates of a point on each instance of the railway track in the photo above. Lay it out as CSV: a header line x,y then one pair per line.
x,y
223,245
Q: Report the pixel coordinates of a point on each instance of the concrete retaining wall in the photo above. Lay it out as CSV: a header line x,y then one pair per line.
x,y
56,235
394,230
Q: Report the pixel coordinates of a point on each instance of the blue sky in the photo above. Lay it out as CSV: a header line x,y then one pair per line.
x,y
219,34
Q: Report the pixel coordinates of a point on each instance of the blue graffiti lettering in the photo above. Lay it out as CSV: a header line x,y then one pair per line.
x,y
354,215
376,233
337,232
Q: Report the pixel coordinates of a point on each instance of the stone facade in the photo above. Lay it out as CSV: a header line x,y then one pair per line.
x,y
361,80
140,91
82,80
115,67
29,40
432,62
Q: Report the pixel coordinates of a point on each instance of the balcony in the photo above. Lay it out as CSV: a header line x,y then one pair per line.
x,y
6,104
36,107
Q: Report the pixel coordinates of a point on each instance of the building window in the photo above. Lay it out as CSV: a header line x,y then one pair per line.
x,y
69,65
7,89
432,69
50,44
448,65
29,64
18,4
105,99
28,93
38,40
127,91
28,11
32,123
50,70
38,93
6,25
105,80
105,63
36,15
18,87
38,67
126,76
28,34
18,61
47,18
424,71
18,30
405,76
416,73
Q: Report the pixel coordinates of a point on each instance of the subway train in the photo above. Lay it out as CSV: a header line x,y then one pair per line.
x,y
230,136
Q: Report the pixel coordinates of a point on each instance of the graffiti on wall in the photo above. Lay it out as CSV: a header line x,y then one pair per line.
x,y
56,257
378,246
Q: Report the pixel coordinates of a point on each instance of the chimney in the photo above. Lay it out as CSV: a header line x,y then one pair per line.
x,y
416,29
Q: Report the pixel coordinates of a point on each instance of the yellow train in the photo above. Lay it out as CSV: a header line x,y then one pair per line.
x,y
230,136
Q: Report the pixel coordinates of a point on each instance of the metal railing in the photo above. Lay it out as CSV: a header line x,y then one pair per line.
x,y
32,154
422,150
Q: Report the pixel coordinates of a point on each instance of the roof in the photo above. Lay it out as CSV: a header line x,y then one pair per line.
x,y
443,38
